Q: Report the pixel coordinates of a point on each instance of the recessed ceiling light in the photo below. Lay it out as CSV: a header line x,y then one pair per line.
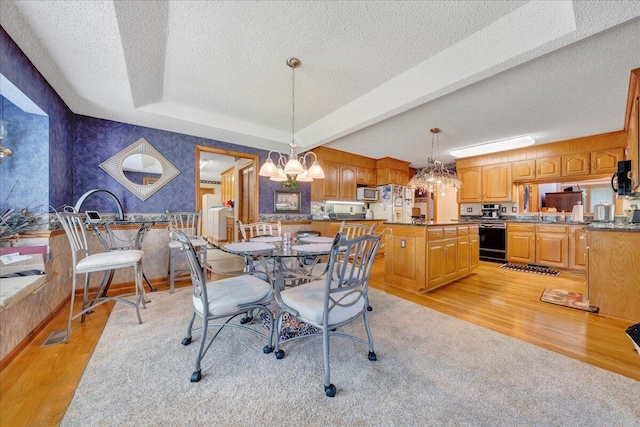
x,y
494,146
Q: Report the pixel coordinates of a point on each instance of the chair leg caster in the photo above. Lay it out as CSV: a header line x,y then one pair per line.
x,y
372,356
186,341
330,390
369,308
266,349
279,354
246,320
196,376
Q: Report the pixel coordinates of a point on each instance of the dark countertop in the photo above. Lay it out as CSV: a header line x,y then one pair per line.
x,y
609,226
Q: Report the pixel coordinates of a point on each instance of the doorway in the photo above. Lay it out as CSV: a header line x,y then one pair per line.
x,y
231,175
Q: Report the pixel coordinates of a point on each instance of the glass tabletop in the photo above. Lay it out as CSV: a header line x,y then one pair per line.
x,y
277,250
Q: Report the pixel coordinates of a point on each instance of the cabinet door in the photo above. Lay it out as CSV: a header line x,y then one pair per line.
x,y
552,249
606,161
435,261
474,251
496,183
471,191
548,167
578,248
329,187
521,247
463,255
347,182
524,170
450,266
401,261
365,176
575,164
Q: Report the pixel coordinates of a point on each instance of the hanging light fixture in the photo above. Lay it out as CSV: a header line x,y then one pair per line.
x,y
292,169
435,177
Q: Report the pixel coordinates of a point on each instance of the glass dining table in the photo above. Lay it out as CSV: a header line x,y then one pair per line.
x,y
282,263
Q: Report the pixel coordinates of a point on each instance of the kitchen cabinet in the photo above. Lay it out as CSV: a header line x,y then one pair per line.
x,y
538,244
606,161
548,167
471,190
339,182
422,258
497,185
365,176
613,278
524,170
227,185
552,245
575,164
521,243
392,171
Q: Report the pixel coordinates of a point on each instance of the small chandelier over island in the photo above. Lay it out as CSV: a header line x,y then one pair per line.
x,y
293,169
435,176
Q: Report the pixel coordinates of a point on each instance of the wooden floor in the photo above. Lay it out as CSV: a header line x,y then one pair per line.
x,y
38,385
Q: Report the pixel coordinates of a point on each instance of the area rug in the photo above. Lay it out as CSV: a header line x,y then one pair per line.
x,y
531,269
569,299
432,370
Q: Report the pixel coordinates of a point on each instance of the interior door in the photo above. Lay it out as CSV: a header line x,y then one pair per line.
x,y
248,209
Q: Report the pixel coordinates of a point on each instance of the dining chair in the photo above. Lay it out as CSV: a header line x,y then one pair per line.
x,y
247,231
223,300
83,262
188,223
334,301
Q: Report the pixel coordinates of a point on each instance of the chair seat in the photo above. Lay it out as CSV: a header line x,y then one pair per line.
x,y
228,295
174,244
308,300
109,260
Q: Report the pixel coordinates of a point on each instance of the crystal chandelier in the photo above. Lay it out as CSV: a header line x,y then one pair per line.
x,y
293,169
435,177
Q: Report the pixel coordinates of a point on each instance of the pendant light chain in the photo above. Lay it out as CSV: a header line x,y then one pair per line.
x,y
293,102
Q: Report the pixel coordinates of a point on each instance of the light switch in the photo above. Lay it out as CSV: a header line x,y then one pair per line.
x,y
403,243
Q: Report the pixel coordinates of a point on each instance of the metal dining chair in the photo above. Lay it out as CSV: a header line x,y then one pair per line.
x,y
247,231
222,300
188,223
83,262
333,301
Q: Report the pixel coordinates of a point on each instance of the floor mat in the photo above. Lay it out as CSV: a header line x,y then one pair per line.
x,y
531,269
568,299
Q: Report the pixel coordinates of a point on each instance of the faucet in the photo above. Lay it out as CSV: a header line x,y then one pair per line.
x,y
540,216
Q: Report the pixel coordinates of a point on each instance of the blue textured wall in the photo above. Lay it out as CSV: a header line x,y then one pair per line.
x,y
28,139
16,67
97,140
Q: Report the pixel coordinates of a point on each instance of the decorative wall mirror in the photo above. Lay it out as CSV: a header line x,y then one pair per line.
x,y
141,168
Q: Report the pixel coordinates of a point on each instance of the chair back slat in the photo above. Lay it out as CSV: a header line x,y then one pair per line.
x,y
352,230
74,226
198,276
350,265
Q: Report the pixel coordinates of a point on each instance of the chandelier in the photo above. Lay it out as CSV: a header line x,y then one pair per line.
x,y
289,171
435,177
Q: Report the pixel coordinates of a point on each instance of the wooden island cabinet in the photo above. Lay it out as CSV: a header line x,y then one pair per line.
x,y
420,258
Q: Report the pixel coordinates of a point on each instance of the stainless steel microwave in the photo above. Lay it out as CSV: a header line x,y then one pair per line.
x,y
367,194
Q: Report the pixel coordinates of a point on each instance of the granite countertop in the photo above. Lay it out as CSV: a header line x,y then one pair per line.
x,y
610,226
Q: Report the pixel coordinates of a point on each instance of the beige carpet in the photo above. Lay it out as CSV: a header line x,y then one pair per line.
x,y
432,369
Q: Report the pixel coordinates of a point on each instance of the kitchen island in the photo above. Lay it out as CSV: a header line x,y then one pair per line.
x,y
423,257
613,269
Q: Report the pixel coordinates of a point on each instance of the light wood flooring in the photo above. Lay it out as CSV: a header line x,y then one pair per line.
x,y
38,385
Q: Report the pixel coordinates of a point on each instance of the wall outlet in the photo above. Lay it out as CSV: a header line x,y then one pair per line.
x,y
503,209
469,210
514,209
403,243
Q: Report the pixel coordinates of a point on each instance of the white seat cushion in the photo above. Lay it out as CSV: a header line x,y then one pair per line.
x,y
308,300
109,260
174,244
227,295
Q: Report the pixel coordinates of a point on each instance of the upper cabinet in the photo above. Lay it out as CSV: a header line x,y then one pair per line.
x,y
392,171
530,170
471,190
227,184
366,176
606,161
575,164
343,172
491,183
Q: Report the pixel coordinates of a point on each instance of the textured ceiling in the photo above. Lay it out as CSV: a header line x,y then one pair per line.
x,y
375,76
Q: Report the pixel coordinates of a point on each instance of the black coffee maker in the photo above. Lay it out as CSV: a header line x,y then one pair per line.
x,y
623,178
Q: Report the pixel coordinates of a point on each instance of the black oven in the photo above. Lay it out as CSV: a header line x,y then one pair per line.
x,y
493,241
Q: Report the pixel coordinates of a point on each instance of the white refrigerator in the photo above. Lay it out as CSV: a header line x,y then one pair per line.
x,y
216,220
394,204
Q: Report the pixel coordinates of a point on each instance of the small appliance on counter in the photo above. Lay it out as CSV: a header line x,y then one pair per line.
x,y
577,214
604,212
634,216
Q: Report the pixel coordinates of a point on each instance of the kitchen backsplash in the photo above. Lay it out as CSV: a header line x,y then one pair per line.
x,y
318,209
